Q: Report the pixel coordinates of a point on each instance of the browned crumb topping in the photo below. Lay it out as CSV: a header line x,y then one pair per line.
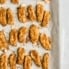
x,y
39,12
31,13
22,14
45,61
2,1
45,41
13,37
46,18
12,61
34,33
27,62
36,57
22,34
3,41
3,20
10,18
3,61
15,1
20,55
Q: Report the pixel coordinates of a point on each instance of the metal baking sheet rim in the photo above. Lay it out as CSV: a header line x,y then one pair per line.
x,y
55,35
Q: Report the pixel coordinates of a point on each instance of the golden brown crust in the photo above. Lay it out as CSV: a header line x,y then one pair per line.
x,y
31,13
45,61
39,12
34,33
22,14
46,18
45,41
3,20
27,62
2,1
3,41
35,57
12,61
10,18
13,37
15,1
20,55
3,61
22,34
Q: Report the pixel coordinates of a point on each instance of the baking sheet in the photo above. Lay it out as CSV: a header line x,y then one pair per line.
x,y
52,30
55,35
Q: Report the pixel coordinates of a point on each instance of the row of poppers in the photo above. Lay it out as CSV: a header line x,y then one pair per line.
x,y
23,35
38,14
25,14
25,60
6,16
17,1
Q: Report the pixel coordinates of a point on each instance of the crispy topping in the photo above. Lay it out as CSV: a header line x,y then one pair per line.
x,y
13,37
3,61
22,14
3,20
39,12
45,61
46,18
36,57
3,41
27,62
45,41
12,61
31,13
10,18
34,33
20,55
22,34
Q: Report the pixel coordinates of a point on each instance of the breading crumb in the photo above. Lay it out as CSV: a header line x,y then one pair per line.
x,y
36,57
34,33
31,13
45,41
22,34
3,20
39,12
13,37
10,18
3,61
22,14
46,18
45,61
27,62
20,55
12,61
3,41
